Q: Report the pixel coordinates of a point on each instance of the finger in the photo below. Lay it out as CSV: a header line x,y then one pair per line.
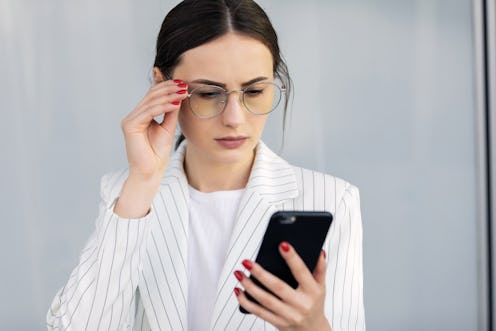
x,y
145,117
175,99
273,283
170,121
298,268
166,99
161,89
258,310
167,89
287,310
320,269
163,83
266,299
160,140
173,92
157,110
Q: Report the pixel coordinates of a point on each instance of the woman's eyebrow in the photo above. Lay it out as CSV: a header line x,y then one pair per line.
x,y
254,80
207,82
211,82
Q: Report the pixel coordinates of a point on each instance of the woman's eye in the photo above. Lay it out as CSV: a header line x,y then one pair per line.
x,y
254,92
209,94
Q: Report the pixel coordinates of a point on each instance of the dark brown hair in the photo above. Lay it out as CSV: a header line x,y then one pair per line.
x,y
195,22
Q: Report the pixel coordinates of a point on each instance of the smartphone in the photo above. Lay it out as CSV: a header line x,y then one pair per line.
x,y
304,230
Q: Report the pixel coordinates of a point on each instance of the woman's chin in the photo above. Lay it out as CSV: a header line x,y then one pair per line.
x,y
235,155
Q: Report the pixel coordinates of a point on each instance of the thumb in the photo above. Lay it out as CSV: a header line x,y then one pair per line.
x,y
169,121
320,269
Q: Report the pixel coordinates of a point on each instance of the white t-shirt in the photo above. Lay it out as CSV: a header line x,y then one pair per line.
x,y
211,221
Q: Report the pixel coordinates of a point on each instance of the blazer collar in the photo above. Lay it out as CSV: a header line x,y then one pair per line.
x,y
271,176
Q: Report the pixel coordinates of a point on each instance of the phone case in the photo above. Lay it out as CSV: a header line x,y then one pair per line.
x,y
304,230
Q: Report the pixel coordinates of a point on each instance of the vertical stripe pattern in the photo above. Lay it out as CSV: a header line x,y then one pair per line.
x,y
133,273
100,291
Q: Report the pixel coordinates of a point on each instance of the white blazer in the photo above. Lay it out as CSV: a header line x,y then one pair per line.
x,y
132,274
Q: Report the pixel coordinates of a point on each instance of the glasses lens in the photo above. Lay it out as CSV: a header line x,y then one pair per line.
x,y
262,98
207,101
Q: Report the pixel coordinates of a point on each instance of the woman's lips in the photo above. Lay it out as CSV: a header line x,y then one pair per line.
x,y
231,142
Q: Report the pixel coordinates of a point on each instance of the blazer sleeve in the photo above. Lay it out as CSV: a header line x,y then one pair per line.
x,y
344,278
100,291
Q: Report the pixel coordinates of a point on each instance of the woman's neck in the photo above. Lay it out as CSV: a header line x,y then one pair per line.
x,y
206,175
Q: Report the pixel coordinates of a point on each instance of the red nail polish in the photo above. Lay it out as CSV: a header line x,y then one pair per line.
x,y
285,246
323,252
182,85
176,103
177,81
247,264
239,275
182,91
237,291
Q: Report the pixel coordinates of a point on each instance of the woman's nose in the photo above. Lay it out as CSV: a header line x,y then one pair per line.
x,y
234,113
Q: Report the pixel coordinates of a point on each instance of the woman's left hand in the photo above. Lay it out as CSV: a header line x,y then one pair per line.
x,y
287,309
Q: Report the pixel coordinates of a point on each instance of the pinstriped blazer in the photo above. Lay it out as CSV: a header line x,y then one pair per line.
x,y
132,273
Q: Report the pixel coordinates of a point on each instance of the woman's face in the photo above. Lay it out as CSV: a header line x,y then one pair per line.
x,y
230,61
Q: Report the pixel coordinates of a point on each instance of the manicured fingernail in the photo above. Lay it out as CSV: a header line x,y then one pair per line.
x,y
285,246
181,91
237,291
182,85
324,253
247,264
177,81
176,103
239,275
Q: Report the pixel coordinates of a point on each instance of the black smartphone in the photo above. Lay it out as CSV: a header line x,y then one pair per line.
x,y
304,230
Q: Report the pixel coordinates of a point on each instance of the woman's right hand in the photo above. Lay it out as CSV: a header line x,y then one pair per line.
x,y
148,146
149,143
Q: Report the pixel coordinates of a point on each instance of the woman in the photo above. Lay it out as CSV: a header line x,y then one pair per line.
x,y
173,233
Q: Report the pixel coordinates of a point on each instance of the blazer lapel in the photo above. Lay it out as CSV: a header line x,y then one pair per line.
x,y
164,275
271,183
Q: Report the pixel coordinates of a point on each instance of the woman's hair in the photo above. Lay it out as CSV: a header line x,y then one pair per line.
x,y
195,22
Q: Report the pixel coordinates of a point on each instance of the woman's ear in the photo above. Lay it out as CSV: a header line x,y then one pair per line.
x,y
157,75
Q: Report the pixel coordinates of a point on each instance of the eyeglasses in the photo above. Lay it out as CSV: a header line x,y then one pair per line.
x,y
260,98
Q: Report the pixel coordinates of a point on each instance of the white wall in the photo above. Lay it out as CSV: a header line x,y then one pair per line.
x,y
383,98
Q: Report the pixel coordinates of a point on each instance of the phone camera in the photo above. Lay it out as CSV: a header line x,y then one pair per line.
x,y
288,220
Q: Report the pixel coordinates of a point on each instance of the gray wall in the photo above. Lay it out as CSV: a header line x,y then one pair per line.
x,y
384,97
